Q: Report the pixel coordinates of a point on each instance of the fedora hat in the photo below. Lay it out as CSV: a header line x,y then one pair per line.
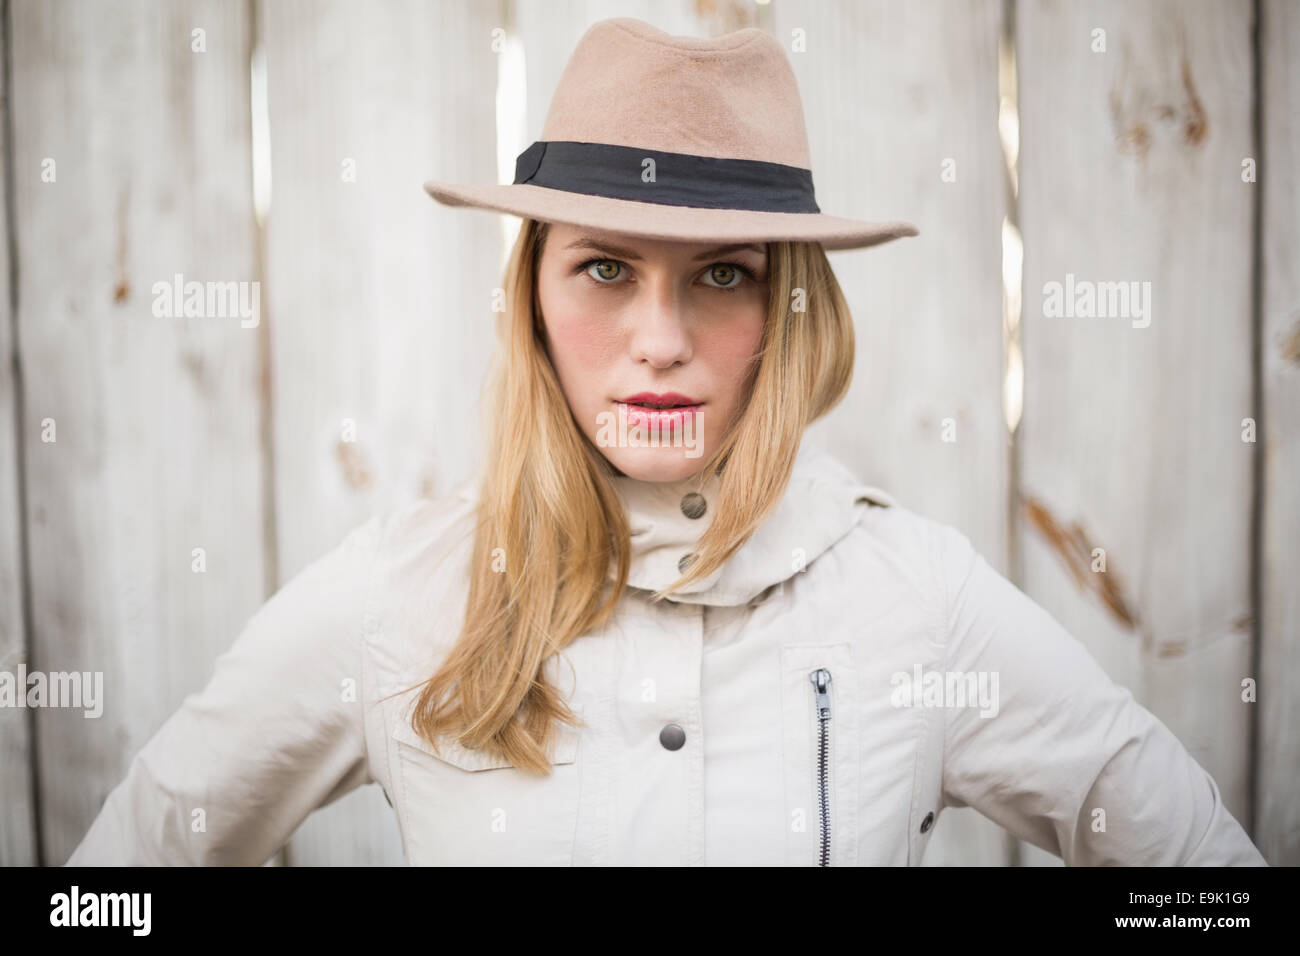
x,y
674,137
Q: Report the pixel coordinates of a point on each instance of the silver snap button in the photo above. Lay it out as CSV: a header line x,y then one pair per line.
x,y
685,562
694,505
672,737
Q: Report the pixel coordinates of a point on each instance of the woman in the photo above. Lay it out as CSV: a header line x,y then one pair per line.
x,y
655,635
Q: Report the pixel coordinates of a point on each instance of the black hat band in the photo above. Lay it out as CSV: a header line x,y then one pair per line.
x,y
679,179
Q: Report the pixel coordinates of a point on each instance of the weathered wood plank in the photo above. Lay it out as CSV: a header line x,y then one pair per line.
x,y
17,810
155,416
1131,435
1277,829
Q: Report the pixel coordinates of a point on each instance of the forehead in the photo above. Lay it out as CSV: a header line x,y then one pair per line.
x,y
565,238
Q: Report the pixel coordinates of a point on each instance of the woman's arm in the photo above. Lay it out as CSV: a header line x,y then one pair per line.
x,y
1071,762
276,733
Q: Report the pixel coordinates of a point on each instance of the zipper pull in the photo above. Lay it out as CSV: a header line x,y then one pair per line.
x,y
821,681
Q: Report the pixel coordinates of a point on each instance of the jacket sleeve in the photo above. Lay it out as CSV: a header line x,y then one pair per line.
x,y
1070,761
276,733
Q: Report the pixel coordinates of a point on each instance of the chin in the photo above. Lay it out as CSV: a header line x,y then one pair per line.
x,y
665,464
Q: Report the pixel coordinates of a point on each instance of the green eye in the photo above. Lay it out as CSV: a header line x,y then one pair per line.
x,y
606,270
723,273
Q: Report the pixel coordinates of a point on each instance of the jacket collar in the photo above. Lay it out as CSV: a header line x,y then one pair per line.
x,y
819,508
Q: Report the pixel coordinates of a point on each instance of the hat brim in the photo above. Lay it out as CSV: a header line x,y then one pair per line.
x,y
657,221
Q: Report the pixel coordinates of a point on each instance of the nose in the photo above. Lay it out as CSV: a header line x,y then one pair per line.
x,y
661,335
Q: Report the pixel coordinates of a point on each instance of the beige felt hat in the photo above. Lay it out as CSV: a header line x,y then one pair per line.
x,y
674,137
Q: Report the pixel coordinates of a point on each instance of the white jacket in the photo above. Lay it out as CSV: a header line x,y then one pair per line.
x,y
705,743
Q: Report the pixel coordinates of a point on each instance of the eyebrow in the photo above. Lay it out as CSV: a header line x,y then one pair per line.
x,y
596,245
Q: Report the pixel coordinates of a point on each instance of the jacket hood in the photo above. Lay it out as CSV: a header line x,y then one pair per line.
x,y
820,506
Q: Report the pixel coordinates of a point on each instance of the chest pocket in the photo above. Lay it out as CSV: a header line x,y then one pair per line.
x,y
465,807
821,753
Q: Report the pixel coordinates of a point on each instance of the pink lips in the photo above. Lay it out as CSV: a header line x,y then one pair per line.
x,y
667,398
664,420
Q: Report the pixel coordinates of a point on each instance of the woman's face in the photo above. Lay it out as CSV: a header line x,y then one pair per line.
x,y
632,322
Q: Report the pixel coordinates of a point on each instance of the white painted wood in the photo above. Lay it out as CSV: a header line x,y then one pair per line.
x,y
157,449
17,811
1277,829
1131,436
379,298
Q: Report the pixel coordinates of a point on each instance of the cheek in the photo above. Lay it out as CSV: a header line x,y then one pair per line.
x,y
582,337
731,352
581,341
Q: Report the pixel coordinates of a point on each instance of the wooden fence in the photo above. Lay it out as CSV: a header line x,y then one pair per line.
x,y
1032,142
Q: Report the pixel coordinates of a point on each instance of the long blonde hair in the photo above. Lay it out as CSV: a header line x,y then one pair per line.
x,y
547,498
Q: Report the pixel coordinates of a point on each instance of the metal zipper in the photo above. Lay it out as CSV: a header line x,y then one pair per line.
x,y
821,681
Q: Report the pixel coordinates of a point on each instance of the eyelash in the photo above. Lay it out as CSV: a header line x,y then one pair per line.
x,y
582,268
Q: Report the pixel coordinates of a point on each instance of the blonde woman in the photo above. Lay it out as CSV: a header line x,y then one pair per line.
x,y
657,629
